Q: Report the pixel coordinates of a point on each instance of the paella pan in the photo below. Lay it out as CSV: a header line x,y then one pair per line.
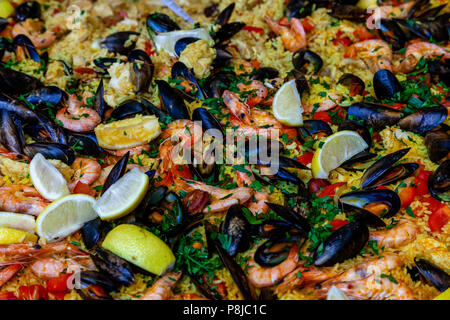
x,y
222,150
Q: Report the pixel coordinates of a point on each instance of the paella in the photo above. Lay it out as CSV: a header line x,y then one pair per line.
x,y
224,150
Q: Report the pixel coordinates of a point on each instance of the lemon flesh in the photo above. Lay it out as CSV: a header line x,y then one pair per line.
x,y
10,236
47,179
287,105
123,196
335,150
128,133
6,9
166,41
140,247
65,216
336,294
18,221
444,295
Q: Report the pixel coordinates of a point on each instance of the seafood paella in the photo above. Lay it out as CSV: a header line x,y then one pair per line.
x,y
219,149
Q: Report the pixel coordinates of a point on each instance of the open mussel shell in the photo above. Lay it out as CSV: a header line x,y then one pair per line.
x,y
361,199
46,95
112,265
143,69
373,174
227,31
120,42
385,84
209,122
354,83
3,24
391,33
23,42
438,145
223,58
358,162
307,58
439,182
264,73
11,134
290,215
28,10
116,172
365,217
159,23
347,12
180,70
374,115
344,243
359,128
56,151
182,43
312,127
97,278
225,15
434,275
424,120
16,107
91,232
237,228
216,83
103,64
152,109
54,131
128,108
15,82
274,251
84,142
171,101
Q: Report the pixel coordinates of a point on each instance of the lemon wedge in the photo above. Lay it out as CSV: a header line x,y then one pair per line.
x,y
128,133
19,221
335,150
10,236
444,295
6,9
123,196
287,105
47,179
166,41
336,294
65,216
140,247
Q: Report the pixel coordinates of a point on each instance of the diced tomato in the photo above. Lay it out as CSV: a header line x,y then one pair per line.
x,y
421,186
8,296
255,63
424,174
344,41
431,203
182,171
284,22
84,70
58,295
350,52
253,29
382,188
307,24
396,106
148,48
83,188
290,132
305,158
57,29
407,195
337,223
376,137
362,33
58,284
330,190
33,292
322,115
439,218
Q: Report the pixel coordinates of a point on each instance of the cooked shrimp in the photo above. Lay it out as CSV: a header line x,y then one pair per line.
x,y
376,53
187,296
133,151
294,37
32,29
238,108
303,276
162,288
262,277
185,130
332,100
257,92
403,233
8,272
416,51
383,12
77,118
373,287
263,118
47,268
86,170
22,199
257,204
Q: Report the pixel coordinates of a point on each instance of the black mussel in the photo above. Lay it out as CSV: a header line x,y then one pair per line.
x,y
429,13
152,199
37,132
97,278
222,59
16,82
5,43
357,162
434,275
361,129
209,122
301,82
313,127
276,250
3,24
382,171
307,58
227,31
274,228
424,120
365,217
28,10
216,84
438,145
290,215
440,70
389,200
11,135
17,107
347,12
391,32
115,267
103,64
374,115
51,151
128,108
283,174
174,215
22,42
264,73
84,142
181,44
299,8
180,70
225,15
46,95
385,84
143,69
238,275
116,172
344,243
120,42
211,10
171,101
439,182
417,8
354,83
54,131
99,101
152,109
159,23
91,232
236,228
